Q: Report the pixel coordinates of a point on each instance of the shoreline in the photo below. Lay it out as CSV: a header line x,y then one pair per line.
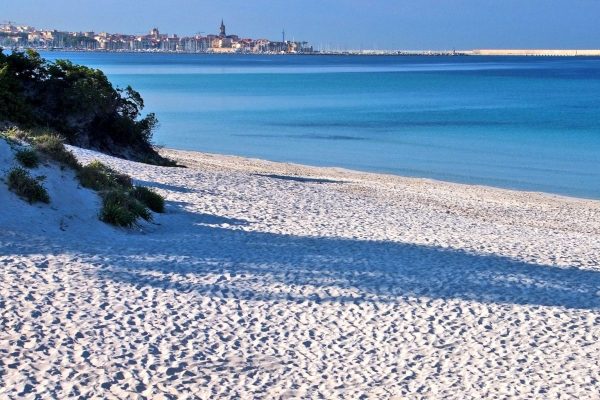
x,y
545,53
315,170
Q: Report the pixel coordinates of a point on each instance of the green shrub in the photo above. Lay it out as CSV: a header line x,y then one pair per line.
x,y
122,203
150,198
27,158
92,176
27,187
54,147
157,159
139,209
98,176
79,102
122,180
117,214
120,208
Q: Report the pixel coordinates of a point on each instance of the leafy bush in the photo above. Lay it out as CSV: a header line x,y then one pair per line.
x,y
98,176
13,104
150,198
122,203
27,187
121,209
54,147
27,158
79,102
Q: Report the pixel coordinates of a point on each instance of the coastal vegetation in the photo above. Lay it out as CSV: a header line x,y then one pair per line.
x,y
77,101
121,209
52,146
149,198
123,203
28,158
50,104
99,177
26,186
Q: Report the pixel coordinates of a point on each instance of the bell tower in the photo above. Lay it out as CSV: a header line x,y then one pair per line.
x,y
222,29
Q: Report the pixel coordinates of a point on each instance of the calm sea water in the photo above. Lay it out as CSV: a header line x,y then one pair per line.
x,y
522,123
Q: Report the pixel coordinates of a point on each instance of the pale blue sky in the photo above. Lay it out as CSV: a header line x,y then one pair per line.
x,y
415,24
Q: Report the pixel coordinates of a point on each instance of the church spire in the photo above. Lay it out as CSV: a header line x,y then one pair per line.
x,y
223,28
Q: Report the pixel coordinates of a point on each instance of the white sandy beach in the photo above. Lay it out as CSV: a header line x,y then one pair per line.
x,y
270,280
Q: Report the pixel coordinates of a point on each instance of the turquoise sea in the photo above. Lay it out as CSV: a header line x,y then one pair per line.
x,y
524,123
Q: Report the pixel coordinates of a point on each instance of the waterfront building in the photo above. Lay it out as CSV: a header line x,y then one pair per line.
x,y
23,36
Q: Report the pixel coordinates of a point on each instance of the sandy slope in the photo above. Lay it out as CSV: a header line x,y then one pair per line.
x,y
268,280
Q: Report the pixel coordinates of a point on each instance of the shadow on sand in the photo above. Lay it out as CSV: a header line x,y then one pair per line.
x,y
172,188
300,179
190,244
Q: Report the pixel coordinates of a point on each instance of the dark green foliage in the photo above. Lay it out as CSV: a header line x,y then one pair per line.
x,y
122,203
139,209
100,177
27,187
122,180
54,147
115,214
159,160
79,102
93,177
27,158
150,198
17,71
121,209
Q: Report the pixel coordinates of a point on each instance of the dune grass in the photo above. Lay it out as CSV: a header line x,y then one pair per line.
x,y
45,142
149,198
53,146
121,209
99,177
123,204
28,158
26,186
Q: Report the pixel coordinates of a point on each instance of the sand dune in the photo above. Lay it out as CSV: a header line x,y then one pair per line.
x,y
268,280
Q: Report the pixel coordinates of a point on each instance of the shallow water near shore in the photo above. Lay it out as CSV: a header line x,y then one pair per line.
x,y
520,123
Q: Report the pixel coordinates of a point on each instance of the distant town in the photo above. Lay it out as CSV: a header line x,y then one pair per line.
x,y
18,36
13,35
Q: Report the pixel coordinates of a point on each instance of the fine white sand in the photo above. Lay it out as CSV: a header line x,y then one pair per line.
x,y
269,280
